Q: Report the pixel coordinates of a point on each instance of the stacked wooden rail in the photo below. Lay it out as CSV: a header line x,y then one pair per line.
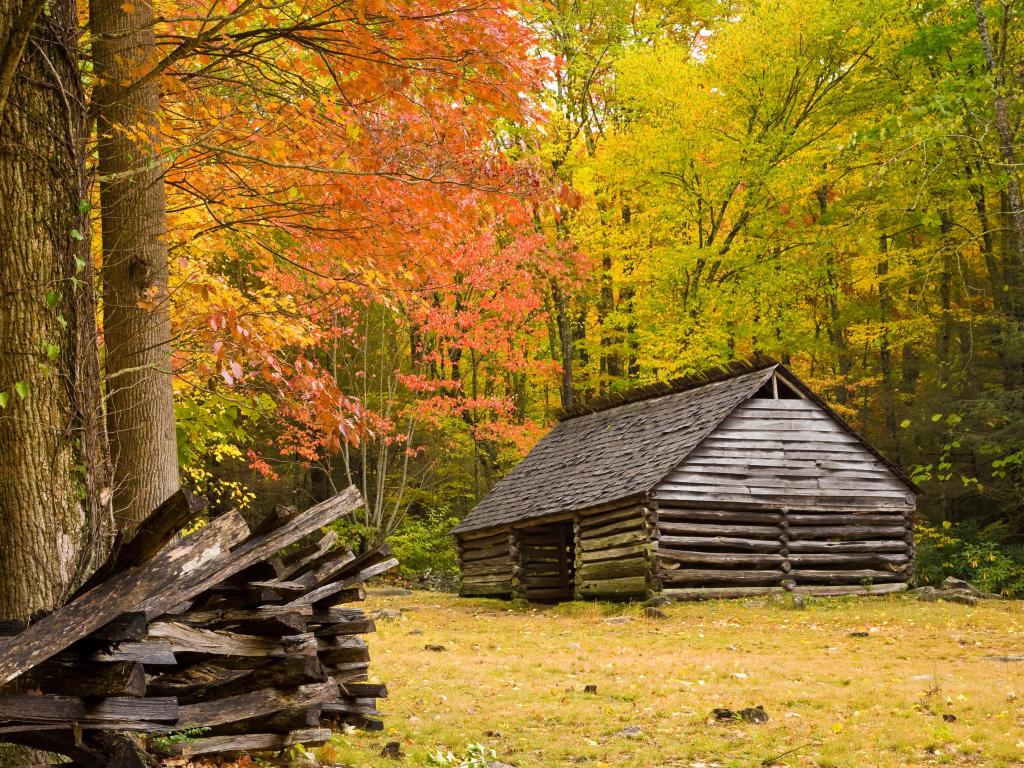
x,y
229,639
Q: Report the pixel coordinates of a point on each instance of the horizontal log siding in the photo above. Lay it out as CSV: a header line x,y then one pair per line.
x,y
744,551
788,453
613,553
486,563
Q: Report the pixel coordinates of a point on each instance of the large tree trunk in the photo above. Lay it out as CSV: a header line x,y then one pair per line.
x,y
136,313
54,478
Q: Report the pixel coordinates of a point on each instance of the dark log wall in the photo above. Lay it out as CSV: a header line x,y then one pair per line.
x,y
614,548
781,497
733,552
486,563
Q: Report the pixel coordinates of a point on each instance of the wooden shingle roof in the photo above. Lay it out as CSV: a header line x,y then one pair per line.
x,y
616,449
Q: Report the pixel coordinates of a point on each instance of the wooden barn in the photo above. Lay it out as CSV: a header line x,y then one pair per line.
x,y
736,482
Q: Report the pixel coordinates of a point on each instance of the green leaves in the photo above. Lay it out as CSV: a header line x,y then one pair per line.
x,y
21,389
53,297
4,398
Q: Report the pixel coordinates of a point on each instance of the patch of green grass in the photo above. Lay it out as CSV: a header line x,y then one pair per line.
x,y
513,679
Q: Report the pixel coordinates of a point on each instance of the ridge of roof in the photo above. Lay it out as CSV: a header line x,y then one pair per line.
x,y
674,386
590,459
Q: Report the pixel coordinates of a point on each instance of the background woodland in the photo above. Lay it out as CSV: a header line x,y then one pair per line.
x,y
398,236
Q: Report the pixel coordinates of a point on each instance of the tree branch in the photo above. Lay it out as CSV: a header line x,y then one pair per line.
x,y
14,49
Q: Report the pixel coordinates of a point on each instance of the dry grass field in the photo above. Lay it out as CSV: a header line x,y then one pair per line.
x,y
514,681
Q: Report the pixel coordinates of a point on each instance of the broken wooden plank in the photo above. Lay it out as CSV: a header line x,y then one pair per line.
x,y
186,639
257,548
255,704
323,593
160,526
123,592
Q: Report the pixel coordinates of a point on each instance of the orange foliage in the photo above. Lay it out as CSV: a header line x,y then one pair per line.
x,y
325,155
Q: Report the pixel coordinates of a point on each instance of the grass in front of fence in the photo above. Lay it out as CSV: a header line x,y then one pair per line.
x,y
845,682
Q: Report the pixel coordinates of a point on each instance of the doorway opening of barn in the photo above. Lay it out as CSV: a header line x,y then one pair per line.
x,y
546,555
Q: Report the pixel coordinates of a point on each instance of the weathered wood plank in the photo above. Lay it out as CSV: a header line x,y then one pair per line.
x,y
867,559
847,576
301,558
187,639
488,553
62,710
757,491
613,569
611,542
805,532
614,554
488,567
493,578
711,529
154,653
121,593
838,518
217,678
483,542
465,536
718,593
668,544
848,546
267,617
257,548
633,585
254,704
593,519
160,526
839,504
325,592
681,514
873,589
730,576
620,526
724,558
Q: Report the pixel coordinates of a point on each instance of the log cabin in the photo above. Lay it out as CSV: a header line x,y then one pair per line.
x,y
739,481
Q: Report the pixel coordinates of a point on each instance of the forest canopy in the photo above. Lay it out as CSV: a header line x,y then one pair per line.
x,y
401,235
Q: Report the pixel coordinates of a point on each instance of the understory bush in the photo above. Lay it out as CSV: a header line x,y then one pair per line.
x,y
425,549
977,555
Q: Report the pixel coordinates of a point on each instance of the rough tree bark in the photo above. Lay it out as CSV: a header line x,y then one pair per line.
x,y
136,313
54,476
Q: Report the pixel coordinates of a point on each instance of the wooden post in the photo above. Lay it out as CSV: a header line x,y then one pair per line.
x,y
460,551
911,572
577,580
786,566
650,524
517,563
